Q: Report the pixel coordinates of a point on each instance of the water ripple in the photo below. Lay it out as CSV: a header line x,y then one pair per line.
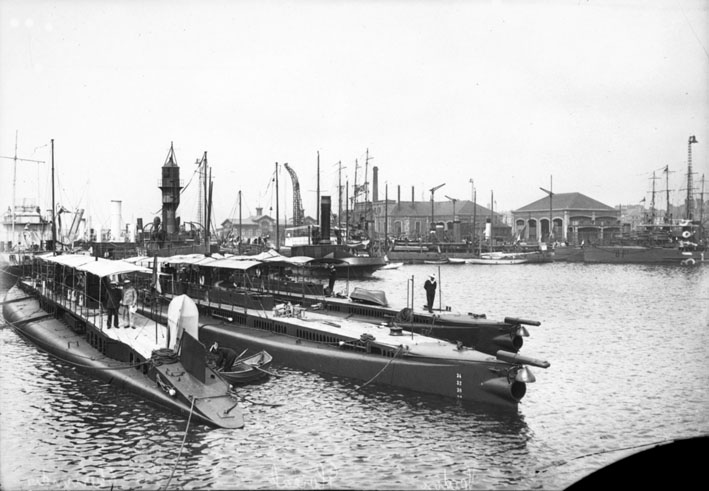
x,y
627,345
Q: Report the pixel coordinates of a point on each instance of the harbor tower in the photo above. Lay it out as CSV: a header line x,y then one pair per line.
x,y
170,185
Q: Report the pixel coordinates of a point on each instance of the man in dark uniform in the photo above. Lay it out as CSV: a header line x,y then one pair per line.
x,y
430,287
225,357
332,275
112,301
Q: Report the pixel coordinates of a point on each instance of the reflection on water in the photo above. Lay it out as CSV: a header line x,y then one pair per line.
x,y
627,346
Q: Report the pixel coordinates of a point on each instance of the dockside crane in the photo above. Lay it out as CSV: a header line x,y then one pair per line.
x,y
298,211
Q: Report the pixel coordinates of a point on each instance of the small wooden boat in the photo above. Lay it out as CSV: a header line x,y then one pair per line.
x,y
456,260
435,261
371,297
499,258
249,369
496,260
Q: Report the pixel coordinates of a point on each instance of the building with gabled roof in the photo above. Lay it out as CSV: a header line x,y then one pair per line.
x,y
255,226
575,218
258,225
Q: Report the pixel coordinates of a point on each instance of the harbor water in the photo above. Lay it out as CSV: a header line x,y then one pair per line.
x,y
628,347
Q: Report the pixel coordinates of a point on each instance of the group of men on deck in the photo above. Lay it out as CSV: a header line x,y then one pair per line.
x,y
127,300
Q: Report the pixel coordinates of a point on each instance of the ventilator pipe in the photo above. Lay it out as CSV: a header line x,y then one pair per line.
x,y
517,359
509,391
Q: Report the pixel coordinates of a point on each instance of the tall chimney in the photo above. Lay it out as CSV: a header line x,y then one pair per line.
x,y
398,195
324,219
375,184
413,200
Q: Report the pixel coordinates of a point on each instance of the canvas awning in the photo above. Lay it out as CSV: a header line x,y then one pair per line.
x,y
137,259
234,264
107,267
294,261
185,259
71,260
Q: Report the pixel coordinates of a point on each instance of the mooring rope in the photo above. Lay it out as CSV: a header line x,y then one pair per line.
x,y
398,352
164,356
184,438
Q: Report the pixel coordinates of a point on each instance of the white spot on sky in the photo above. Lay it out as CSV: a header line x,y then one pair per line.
x,y
48,27
14,23
29,23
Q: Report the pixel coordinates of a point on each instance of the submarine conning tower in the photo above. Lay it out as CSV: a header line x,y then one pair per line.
x,y
170,185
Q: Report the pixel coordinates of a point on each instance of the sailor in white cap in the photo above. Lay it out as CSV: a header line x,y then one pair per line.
x,y
129,303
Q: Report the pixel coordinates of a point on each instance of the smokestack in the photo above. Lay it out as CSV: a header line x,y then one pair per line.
x,y
115,220
398,195
324,219
412,196
375,183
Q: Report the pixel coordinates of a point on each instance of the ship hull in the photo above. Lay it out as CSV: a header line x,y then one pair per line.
x,y
466,381
640,255
45,324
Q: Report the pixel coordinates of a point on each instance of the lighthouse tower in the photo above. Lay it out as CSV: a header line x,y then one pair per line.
x,y
170,186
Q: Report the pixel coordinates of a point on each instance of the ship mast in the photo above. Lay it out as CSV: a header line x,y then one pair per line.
x,y
339,194
54,215
14,183
689,204
278,224
652,199
354,195
701,212
241,237
668,215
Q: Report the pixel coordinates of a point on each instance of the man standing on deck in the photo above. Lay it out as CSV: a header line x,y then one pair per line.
x,y
129,302
332,275
430,287
112,301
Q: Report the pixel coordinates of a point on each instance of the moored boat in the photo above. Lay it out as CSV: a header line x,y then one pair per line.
x,y
60,308
371,297
305,338
638,254
249,369
247,282
496,260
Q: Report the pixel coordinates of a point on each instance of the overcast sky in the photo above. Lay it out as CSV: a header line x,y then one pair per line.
x,y
585,96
